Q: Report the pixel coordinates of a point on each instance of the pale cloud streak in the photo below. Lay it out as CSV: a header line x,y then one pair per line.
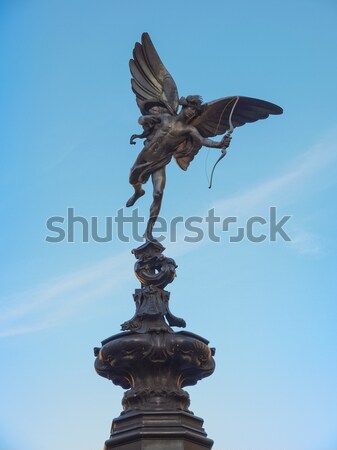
x,y
312,171
304,175
287,186
51,303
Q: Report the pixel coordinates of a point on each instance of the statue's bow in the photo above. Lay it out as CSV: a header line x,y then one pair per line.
x,y
229,132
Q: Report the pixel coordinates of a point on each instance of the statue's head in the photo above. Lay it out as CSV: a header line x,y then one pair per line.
x,y
191,106
194,101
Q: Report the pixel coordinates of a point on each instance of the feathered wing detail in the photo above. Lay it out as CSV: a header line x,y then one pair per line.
x,y
154,87
214,118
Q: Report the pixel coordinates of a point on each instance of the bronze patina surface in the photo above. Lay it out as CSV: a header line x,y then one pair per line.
x,y
180,133
149,359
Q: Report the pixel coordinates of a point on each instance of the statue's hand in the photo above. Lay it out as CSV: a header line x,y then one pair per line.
x,y
225,141
132,139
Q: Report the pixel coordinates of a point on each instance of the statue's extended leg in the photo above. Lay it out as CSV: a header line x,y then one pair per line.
x,y
138,193
158,181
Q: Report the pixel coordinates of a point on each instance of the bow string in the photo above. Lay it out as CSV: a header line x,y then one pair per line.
x,y
229,132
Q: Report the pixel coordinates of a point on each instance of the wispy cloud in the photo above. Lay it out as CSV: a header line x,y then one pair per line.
x,y
287,186
298,180
305,175
53,302
305,242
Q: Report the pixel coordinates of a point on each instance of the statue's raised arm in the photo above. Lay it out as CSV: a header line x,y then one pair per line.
x,y
168,132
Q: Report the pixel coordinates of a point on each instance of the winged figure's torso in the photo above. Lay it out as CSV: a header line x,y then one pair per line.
x,y
167,136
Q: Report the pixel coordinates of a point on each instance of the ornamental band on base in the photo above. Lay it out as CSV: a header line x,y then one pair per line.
x,y
148,359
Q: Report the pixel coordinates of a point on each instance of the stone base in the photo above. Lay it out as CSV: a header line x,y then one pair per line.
x,y
158,431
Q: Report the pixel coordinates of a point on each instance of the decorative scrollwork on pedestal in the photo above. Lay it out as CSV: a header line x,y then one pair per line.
x,y
152,267
154,367
152,308
154,271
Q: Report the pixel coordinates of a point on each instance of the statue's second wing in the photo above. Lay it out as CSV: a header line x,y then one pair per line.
x,y
214,119
154,87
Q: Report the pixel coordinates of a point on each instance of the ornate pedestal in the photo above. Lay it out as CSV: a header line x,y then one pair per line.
x,y
154,364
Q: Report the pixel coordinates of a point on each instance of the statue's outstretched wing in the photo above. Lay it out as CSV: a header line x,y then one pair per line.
x,y
154,87
215,116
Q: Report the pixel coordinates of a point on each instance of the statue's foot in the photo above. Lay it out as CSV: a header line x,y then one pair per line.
x,y
132,200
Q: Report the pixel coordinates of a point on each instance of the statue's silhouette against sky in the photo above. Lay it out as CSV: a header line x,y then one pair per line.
x,y
169,131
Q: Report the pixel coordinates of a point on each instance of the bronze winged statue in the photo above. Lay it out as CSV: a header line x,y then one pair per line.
x,y
169,131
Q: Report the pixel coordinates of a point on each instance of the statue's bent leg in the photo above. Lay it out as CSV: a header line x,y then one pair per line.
x,y
139,192
158,181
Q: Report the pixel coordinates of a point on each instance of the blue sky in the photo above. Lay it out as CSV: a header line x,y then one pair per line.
x,y
67,112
